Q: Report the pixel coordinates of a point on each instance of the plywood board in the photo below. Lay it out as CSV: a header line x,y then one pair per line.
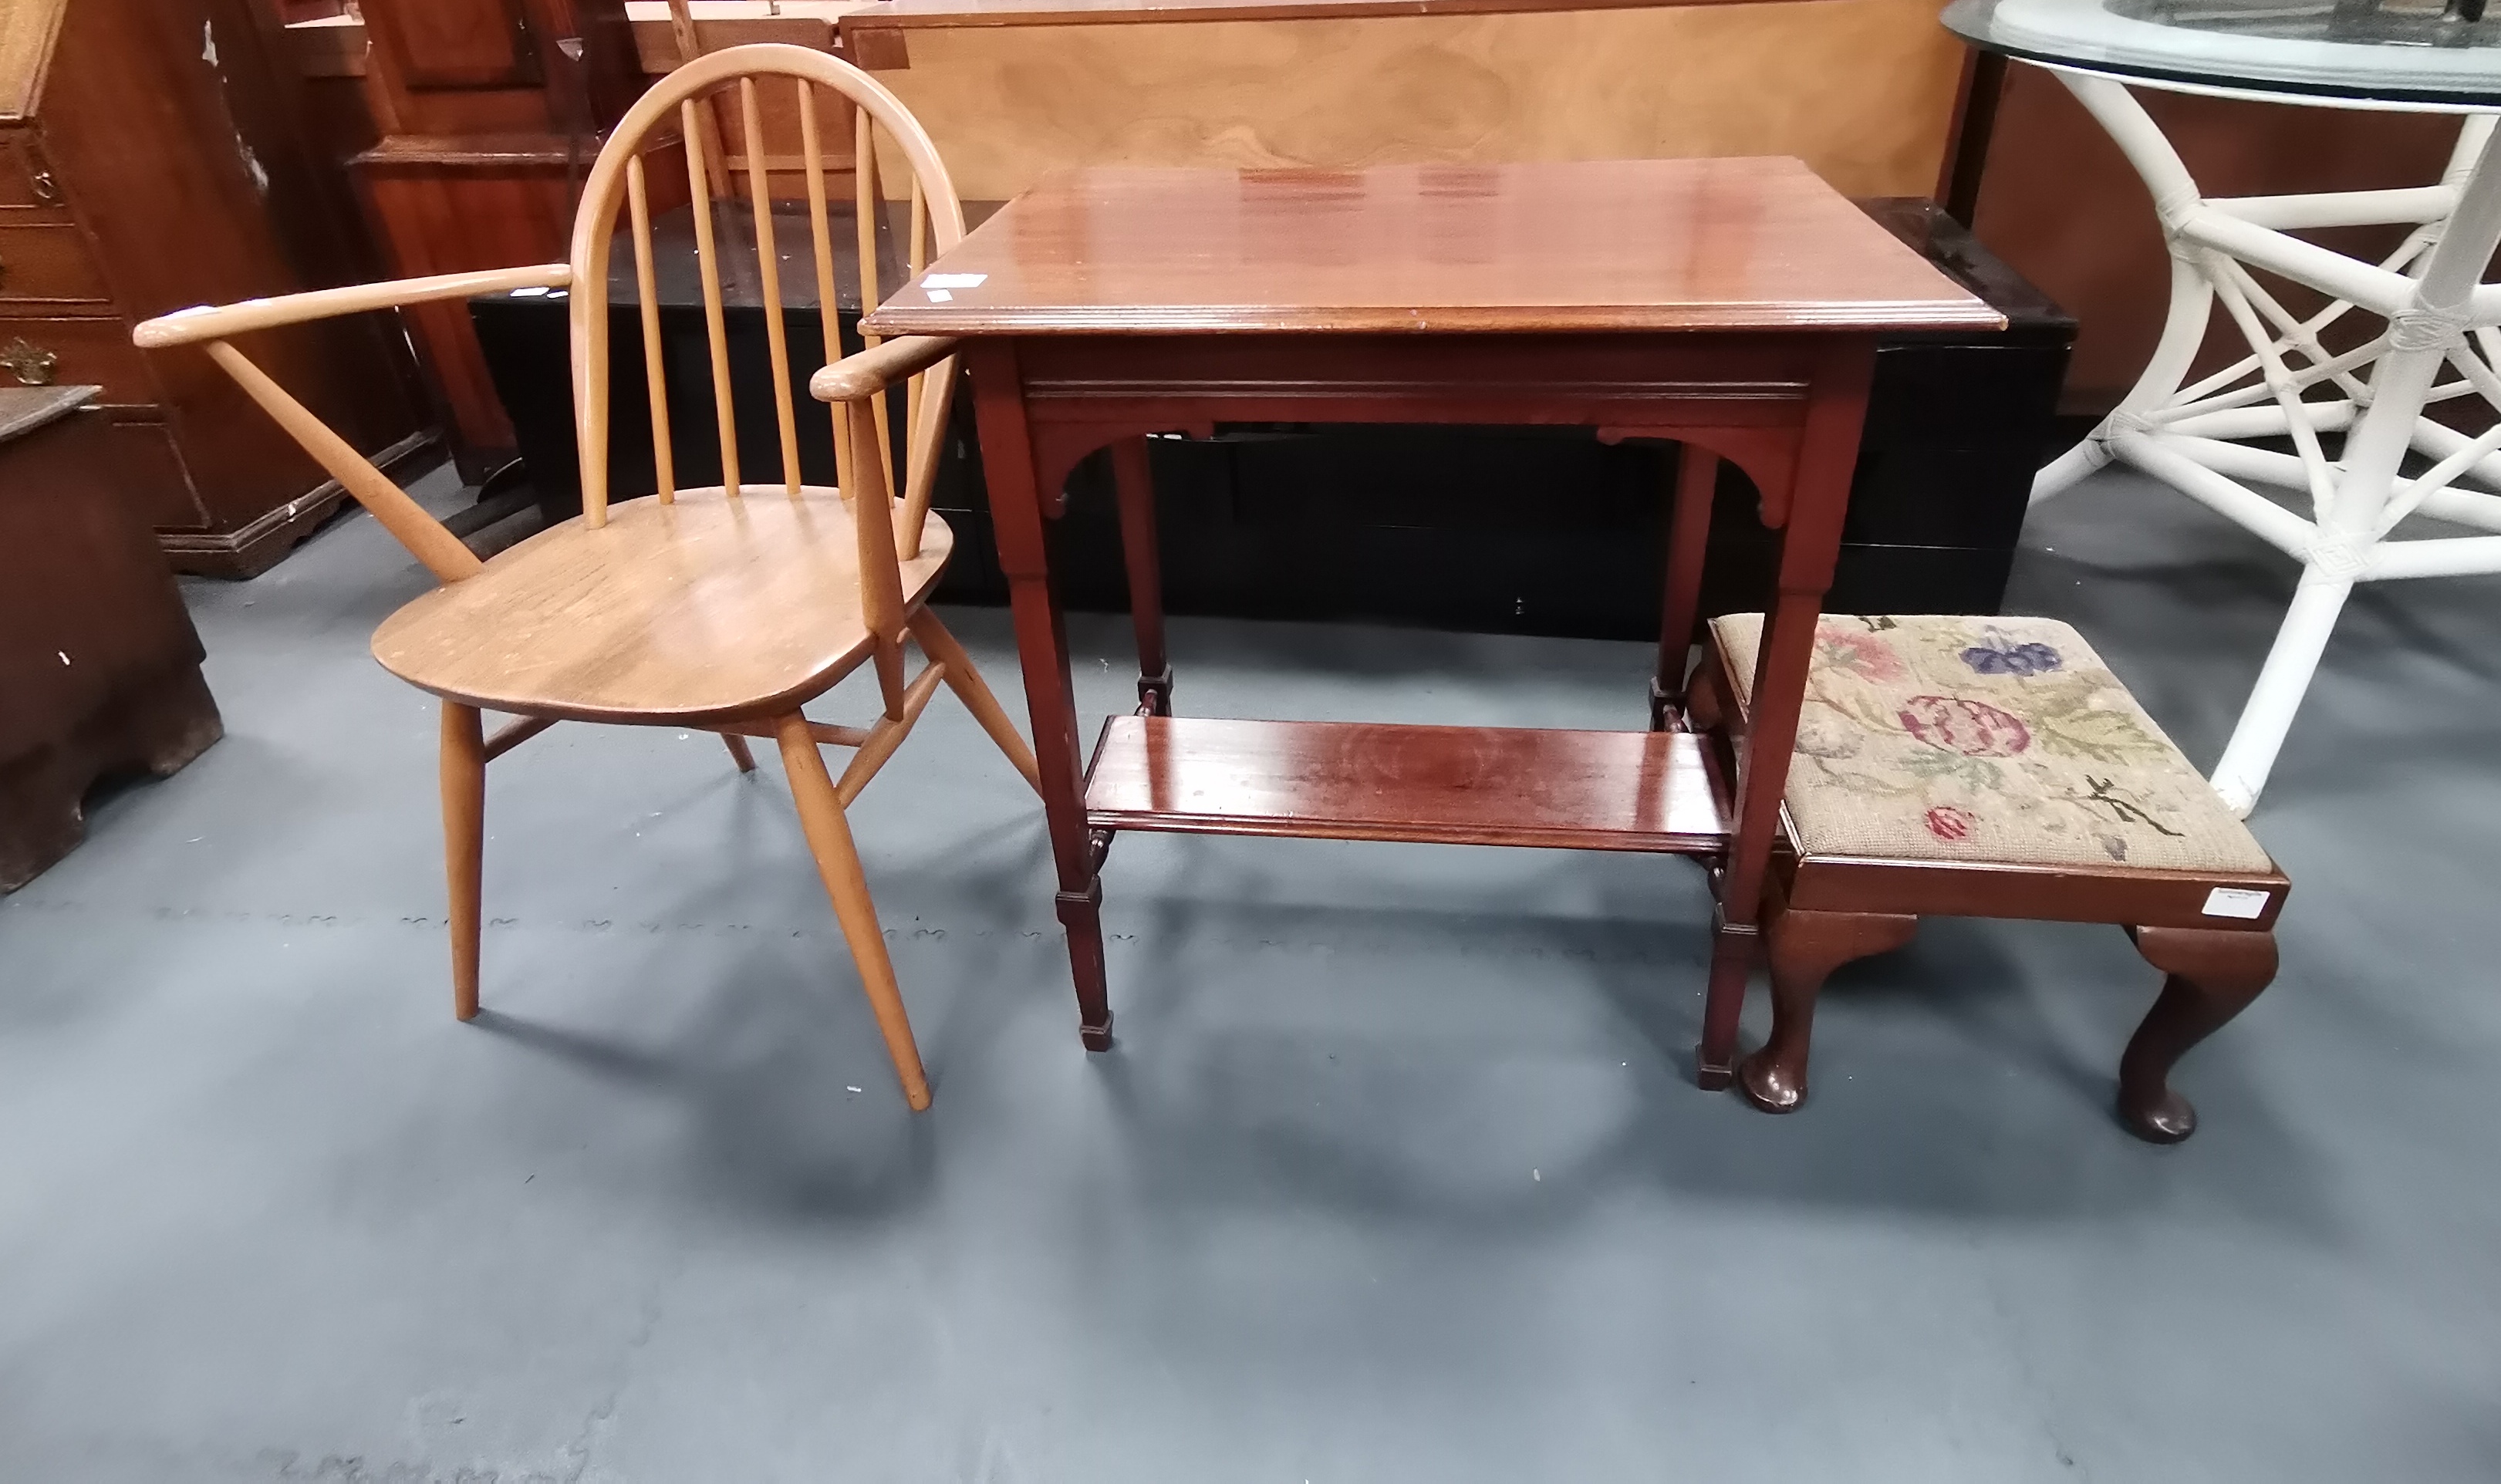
x,y
1860,90
27,29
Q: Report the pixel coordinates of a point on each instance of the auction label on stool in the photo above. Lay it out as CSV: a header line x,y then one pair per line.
x,y
2235,902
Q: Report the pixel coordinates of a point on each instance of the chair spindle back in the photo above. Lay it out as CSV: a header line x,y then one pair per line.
x,y
681,109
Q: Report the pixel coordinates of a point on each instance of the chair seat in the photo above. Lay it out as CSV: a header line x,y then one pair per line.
x,y
707,609
1983,742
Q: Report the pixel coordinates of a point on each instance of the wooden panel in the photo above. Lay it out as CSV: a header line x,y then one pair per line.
x,y
27,184
181,140
733,24
48,264
1606,245
99,665
919,15
457,43
80,353
152,474
1651,791
27,28
332,47
1860,90
2042,893
488,214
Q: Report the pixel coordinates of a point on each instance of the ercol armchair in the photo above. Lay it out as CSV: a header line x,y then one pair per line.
x,y
725,608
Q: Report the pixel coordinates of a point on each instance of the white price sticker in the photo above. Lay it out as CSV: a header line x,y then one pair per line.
x,y
954,281
2234,902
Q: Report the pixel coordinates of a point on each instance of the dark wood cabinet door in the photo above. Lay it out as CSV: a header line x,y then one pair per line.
x,y
457,43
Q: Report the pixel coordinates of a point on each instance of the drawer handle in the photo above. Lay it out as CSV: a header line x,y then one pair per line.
x,y
32,364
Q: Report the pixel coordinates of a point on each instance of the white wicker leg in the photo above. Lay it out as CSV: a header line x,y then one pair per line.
x,y
2242,775
2193,298
2382,420
2385,432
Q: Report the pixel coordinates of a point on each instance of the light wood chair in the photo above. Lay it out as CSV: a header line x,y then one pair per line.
x,y
724,609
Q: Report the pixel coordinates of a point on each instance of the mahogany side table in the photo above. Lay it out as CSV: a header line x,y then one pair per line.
x,y
1730,304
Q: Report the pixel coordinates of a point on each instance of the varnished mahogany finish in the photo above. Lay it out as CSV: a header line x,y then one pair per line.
x,y
1593,245
1445,785
1110,304
2213,977
99,665
1825,911
1806,948
152,155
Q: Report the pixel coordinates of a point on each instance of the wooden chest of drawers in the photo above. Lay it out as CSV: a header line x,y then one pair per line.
x,y
150,159
99,665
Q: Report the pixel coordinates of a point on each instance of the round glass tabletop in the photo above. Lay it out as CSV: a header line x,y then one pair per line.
x,y
2421,52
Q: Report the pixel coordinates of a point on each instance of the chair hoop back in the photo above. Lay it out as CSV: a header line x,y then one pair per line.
x,y
689,106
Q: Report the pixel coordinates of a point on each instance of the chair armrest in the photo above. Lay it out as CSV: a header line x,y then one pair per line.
x,y
878,367
184,327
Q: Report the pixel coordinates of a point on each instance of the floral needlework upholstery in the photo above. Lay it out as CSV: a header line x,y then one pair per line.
x,y
1986,740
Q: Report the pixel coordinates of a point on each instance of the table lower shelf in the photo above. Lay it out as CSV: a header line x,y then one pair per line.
x,y
1648,791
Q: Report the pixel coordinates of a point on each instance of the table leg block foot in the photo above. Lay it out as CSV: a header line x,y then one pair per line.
x,y
1097,1037
1708,1077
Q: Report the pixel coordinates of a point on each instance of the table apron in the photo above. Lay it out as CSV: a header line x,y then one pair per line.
x,y
1594,380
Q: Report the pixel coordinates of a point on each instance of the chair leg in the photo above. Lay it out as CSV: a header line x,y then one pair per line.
x,y
1804,949
829,839
739,753
2214,976
464,843
967,684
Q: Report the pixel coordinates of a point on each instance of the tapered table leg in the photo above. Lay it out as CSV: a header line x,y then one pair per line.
x,y
1133,485
1688,542
1811,519
1016,513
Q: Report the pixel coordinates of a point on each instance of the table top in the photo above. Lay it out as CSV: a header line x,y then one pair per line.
x,y
1589,245
2397,53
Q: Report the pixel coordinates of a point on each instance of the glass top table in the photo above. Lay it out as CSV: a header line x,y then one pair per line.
x,y
2414,54
2351,399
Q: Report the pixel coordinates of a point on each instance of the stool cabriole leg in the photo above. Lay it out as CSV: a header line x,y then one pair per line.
x,y
1804,949
2214,976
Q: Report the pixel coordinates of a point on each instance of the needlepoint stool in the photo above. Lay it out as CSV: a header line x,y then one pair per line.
x,y
1994,767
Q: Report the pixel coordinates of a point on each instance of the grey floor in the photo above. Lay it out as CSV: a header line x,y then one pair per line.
x,y
1396,1175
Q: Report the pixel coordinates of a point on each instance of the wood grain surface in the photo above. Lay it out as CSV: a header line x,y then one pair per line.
x,y
701,609
1644,791
1598,245
26,31
922,14
1860,90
